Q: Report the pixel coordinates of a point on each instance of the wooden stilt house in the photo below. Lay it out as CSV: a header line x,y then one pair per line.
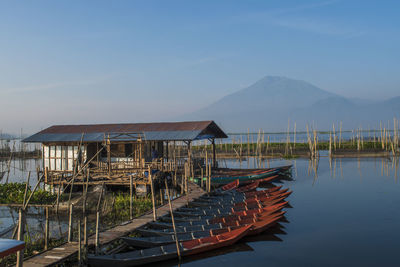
x,y
111,153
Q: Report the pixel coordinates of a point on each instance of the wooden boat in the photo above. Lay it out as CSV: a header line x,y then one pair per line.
x,y
230,186
220,218
145,256
240,198
226,175
221,180
223,193
152,241
225,171
166,229
245,205
249,187
262,181
223,211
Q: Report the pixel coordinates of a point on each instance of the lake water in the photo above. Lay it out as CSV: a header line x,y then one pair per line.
x,y
345,212
348,215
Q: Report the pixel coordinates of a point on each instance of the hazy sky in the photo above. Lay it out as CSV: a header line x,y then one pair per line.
x,y
127,61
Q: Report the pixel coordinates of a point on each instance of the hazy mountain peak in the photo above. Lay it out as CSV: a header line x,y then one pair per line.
x,y
272,100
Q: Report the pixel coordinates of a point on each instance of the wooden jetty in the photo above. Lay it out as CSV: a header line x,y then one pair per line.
x,y
64,252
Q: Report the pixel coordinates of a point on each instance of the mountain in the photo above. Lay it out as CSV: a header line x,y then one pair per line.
x,y
272,101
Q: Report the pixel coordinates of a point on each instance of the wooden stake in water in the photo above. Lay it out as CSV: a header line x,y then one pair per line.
x,y
340,135
97,241
71,207
294,137
130,197
46,232
21,224
79,244
173,221
334,137
152,195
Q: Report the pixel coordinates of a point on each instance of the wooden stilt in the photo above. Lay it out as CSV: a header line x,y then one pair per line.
x,y
46,233
131,197
79,244
71,207
97,242
21,224
152,195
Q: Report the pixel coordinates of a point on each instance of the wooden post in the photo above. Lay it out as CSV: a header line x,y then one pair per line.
x,y
71,207
214,156
46,175
85,234
109,156
131,197
79,244
21,224
185,177
209,178
152,195
201,175
26,188
46,233
294,137
85,192
248,143
58,193
173,221
97,243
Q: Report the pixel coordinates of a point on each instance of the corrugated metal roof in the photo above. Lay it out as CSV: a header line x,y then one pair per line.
x,y
164,131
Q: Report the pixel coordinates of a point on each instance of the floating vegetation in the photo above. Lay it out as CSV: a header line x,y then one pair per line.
x,y
13,193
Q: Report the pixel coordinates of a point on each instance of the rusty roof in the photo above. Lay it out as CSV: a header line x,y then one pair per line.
x,y
188,130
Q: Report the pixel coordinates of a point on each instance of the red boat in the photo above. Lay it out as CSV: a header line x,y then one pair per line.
x,y
213,242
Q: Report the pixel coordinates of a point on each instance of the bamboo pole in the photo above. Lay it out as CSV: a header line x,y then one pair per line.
x,y
71,207
21,224
33,191
209,178
152,195
330,146
173,221
294,137
248,143
334,137
130,197
201,175
85,233
46,233
79,243
340,135
26,187
97,241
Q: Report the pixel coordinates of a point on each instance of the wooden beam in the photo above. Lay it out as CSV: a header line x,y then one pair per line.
x,y
214,156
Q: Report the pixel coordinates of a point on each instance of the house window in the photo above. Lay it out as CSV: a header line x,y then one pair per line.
x,y
62,158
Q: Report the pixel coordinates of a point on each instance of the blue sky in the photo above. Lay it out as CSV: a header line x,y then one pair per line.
x,y
126,61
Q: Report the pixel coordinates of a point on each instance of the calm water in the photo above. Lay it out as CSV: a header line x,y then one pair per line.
x,y
346,216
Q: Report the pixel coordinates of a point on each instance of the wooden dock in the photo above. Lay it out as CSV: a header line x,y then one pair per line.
x,y
62,253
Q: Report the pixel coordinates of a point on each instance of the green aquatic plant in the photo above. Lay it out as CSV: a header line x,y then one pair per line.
x,y
13,193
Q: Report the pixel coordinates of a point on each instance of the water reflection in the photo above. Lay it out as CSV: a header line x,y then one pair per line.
x,y
340,205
